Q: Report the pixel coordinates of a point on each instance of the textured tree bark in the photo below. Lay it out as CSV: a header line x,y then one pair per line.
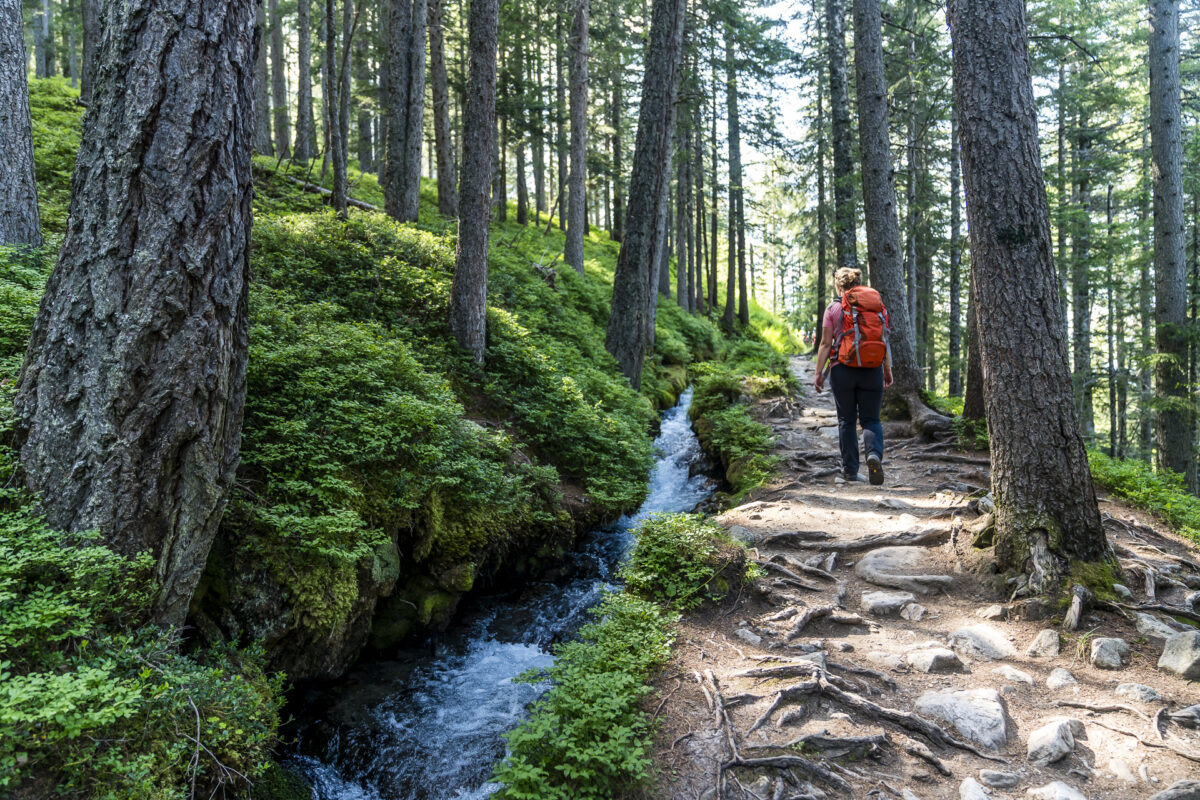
x,y
447,179
1145,315
1046,513
404,105
468,293
279,90
90,14
129,404
1174,404
973,394
364,136
19,221
955,248
262,86
306,131
844,236
628,319
1081,291
822,217
573,249
682,189
883,229
560,116
333,86
618,211
700,248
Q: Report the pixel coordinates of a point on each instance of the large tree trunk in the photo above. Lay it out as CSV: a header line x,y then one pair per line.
x,y
364,136
629,318
129,405
468,294
1175,417
955,261
404,105
262,87
1046,513
279,91
618,209
334,87
306,131
19,222
822,217
973,408
1081,290
560,117
573,249
90,13
682,189
844,236
883,229
1145,319
446,173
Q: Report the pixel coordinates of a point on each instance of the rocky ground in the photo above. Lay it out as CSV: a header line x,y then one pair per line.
x,y
883,657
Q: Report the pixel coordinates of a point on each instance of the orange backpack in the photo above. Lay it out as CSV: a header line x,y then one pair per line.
x,y
862,341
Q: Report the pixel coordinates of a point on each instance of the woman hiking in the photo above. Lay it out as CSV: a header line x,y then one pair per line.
x,y
854,340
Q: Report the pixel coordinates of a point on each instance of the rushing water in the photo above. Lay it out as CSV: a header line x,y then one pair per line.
x,y
429,727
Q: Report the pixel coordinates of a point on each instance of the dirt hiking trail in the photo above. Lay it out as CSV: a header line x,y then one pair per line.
x,y
884,658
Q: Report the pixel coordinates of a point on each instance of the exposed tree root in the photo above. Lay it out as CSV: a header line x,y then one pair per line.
x,y
1081,599
806,617
1179,611
1177,749
800,566
1101,709
915,748
792,577
819,539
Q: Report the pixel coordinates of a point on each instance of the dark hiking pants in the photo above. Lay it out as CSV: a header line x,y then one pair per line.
x,y
858,395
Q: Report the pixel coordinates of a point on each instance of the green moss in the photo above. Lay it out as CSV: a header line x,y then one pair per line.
x,y
1097,576
683,560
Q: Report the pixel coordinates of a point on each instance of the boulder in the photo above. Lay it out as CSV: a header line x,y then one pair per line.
x,y
1180,790
1187,717
992,612
1056,791
983,642
934,659
885,604
913,612
970,789
1182,655
977,714
1052,741
1013,674
1123,590
884,659
748,636
742,535
1139,692
1060,679
999,780
1109,653
906,568
1044,645
1151,626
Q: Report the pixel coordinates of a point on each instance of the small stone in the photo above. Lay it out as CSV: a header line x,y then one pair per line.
x,y
841,716
1187,717
1180,790
889,660
1139,692
934,659
1122,771
983,642
885,604
913,612
843,647
992,612
977,714
1060,679
742,535
1123,590
1152,627
1044,645
1050,743
817,658
1008,690
1109,653
970,789
1056,791
1182,655
748,636
1014,674
997,779
907,794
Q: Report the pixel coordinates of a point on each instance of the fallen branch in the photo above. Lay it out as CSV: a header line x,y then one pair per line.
x,y
321,190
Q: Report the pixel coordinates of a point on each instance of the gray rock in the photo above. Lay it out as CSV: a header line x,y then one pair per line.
x,y
1182,655
977,714
907,794
1044,645
992,612
1123,590
1050,742
1056,791
901,568
748,636
1014,674
1008,689
970,789
1109,653
997,779
1120,769
983,642
885,604
1151,626
1187,717
817,658
1060,679
743,535
934,659
889,660
1180,790
913,612
1139,692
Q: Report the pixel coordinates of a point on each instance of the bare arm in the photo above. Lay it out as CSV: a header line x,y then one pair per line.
x,y
822,355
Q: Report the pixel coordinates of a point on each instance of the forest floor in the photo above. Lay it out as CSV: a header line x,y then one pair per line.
x,y
732,663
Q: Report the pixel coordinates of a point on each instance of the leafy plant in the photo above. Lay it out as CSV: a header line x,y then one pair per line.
x,y
682,560
1161,492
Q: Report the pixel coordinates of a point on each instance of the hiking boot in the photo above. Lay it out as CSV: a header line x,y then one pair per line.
x,y
874,462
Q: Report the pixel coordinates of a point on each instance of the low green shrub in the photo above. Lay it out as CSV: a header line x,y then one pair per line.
x,y
1161,492
587,738
682,560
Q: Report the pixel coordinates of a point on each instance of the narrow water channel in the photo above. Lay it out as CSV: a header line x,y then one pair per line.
x,y
429,726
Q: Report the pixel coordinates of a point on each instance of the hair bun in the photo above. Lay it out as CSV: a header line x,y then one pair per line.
x,y
846,278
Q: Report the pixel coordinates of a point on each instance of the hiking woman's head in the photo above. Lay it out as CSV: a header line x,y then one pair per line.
x,y
846,278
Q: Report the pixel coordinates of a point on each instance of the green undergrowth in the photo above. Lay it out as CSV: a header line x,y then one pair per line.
x,y
1162,493
589,737
969,434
